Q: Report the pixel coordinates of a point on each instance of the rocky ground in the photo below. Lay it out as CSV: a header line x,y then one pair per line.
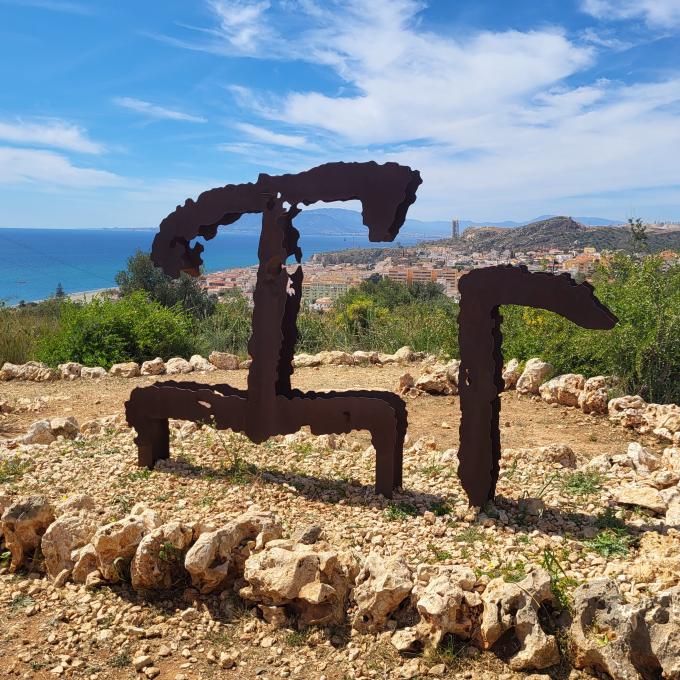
x,y
212,564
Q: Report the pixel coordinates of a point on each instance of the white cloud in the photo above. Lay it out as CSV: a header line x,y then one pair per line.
x,y
488,118
49,169
54,133
276,138
241,22
656,13
155,111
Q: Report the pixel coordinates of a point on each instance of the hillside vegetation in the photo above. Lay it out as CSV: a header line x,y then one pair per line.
x,y
151,320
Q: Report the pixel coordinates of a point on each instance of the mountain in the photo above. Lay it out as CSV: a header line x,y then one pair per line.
x,y
561,232
343,222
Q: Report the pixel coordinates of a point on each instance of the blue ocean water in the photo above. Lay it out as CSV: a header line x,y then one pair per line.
x,y
34,261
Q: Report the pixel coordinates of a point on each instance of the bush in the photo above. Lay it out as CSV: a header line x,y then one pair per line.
x,y
642,350
229,327
142,274
22,328
104,332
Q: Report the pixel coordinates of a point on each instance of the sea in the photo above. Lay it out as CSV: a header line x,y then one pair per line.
x,y
34,261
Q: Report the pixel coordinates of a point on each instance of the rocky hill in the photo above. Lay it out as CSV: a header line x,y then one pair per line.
x,y
563,233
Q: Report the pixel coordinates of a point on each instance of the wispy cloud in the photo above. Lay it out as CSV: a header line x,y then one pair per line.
x,y
155,111
53,133
49,169
655,13
276,138
53,5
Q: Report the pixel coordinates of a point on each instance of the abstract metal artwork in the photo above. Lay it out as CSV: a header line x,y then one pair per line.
x,y
270,406
481,360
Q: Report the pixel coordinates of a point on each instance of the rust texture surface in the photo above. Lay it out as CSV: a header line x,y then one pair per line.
x,y
479,336
270,406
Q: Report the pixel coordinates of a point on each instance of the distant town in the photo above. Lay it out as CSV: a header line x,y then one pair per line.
x,y
329,275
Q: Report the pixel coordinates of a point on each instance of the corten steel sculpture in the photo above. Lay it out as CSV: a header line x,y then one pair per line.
x,y
270,406
479,336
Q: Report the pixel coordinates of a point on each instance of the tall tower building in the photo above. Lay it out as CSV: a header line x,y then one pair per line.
x,y
455,228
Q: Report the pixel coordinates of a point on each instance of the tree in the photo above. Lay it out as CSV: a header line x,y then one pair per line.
x,y
638,235
59,292
142,274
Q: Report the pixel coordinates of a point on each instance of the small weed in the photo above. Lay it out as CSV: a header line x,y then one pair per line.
x,y
583,483
450,652
592,437
21,602
523,539
124,503
512,572
120,660
610,542
607,519
400,511
138,475
469,535
441,509
437,554
302,449
168,552
510,472
297,638
12,469
560,583
207,501
220,638
5,558
432,470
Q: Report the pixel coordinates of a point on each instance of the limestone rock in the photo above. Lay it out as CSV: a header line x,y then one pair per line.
x,y
381,586
671,458
85,563
23,524
662,620
67,428
593,401
119,540
403,355
407,640
658,560
224,361
75,503
157,563
406,382
643,460
93,373
216,553
644,496
309,580
129,369
361,357
306,361
201,363
335,358
534,375
511,374
63,539
604,631
627,411
177,365
153,367
448,604
562,454
70,370
515,606
563,389
438,379
39,432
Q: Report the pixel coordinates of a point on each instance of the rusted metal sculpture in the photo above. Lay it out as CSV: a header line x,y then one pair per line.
x,y
479,336
270,406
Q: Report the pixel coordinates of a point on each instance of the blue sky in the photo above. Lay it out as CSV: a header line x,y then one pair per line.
x,y
112,112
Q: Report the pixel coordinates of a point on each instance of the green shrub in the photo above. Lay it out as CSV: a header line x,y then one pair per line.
x,y
104,332
22,328
228,329
642,350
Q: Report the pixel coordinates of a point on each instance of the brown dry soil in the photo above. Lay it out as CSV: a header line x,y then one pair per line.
x,y
525,422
